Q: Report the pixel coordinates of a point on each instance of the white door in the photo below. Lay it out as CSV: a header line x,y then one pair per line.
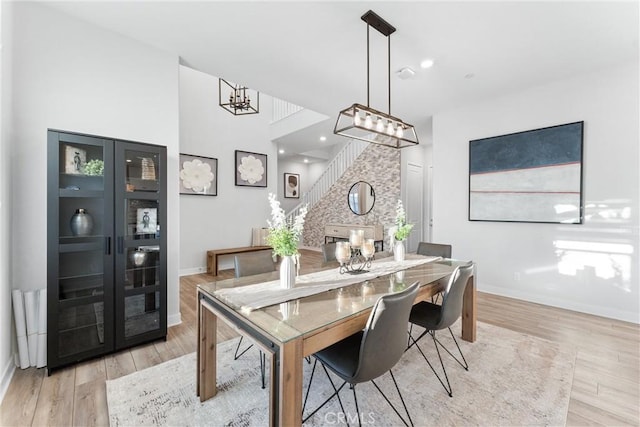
x,y
415,204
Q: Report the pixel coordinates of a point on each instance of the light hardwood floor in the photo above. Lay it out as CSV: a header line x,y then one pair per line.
x,y
605,388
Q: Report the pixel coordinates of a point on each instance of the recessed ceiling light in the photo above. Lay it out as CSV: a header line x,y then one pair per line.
x,y
281,151
306,160
427,63
323,138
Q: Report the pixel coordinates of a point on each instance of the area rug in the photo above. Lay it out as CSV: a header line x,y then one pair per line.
x,y
513,379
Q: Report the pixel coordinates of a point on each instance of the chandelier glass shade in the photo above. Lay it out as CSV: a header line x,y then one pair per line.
x,y
241,100
367,124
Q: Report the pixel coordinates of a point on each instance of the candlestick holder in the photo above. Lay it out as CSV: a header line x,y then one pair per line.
x,y
355,259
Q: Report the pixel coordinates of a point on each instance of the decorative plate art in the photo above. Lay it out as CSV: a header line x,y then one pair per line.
x,y
251,169
198,175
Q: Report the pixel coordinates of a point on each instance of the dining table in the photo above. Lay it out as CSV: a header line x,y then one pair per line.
x,y
321,309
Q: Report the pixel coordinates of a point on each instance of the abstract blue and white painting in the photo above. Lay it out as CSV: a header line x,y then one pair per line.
x,y
531,176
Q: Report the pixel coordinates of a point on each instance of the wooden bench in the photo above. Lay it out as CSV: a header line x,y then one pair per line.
x,y
212,255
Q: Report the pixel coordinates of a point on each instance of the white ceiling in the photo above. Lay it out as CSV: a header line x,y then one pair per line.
x,y
313,54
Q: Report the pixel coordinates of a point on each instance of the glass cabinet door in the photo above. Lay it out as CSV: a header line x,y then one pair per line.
x,y
80,258
141,262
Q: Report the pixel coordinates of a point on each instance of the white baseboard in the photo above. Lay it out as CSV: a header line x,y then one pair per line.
x,y
7,375
174,319
608,312
194,270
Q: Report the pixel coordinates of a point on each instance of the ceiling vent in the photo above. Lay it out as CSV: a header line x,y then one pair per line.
x,y
405,73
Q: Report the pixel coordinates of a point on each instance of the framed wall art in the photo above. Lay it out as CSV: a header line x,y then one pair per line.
x,y
530,176
146,220
251,169
198,175
291,185
75,159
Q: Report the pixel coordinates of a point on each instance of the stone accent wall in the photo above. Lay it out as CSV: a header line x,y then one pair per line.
x,y
377,165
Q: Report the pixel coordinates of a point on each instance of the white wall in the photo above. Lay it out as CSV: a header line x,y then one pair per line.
x,y
6,361
316,170
206,129
591,267
307,179
74,76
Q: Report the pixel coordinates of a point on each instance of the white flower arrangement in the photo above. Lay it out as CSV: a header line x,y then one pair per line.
x,y
251,169
284,235
196,175
400,231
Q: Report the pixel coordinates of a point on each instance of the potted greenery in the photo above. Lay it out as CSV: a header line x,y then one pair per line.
x,y
94,167
284,237
399,233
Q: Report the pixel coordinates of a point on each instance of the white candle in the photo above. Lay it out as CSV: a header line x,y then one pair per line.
x,y
343,252
356,238
368,248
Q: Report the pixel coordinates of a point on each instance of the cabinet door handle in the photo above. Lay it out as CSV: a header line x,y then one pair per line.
x,y
107,245
120,244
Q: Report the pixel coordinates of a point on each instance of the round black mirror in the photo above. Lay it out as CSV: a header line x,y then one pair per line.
x,y
361,198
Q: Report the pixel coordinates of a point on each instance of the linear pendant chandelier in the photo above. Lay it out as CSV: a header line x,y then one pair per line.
x,y
366,124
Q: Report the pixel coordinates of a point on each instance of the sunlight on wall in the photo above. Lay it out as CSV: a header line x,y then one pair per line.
x,y
564,208
606,260
604,211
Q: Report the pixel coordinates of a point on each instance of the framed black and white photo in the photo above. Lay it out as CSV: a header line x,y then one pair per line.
x,y
291,185
198,175
251,169
530,176
75,160
146,220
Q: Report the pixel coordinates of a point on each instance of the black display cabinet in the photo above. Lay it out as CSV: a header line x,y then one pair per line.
x,y
106,246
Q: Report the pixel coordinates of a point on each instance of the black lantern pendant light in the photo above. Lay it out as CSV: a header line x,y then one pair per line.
x,y
366,124
242,100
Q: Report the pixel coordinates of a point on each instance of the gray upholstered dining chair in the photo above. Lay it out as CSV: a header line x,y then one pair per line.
x,y
248,264
368,354
328,252
434,249
433,317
